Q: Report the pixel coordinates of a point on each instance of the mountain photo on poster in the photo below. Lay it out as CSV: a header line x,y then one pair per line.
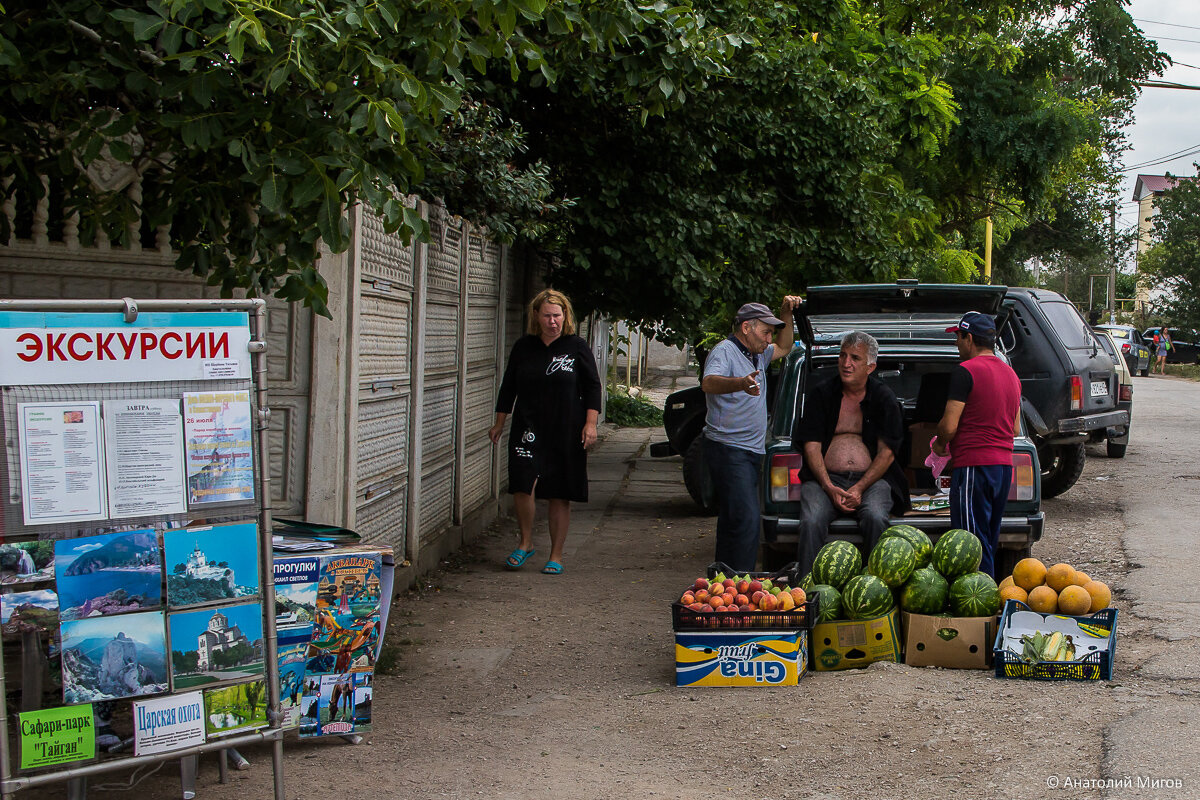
x,y
108,574
218,562
210,645
33,610
107,658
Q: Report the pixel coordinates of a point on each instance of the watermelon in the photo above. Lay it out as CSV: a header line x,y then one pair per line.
x,y
957,553
892,561
925,593
914,536
807,583
836,563
974,595
829,602
866,597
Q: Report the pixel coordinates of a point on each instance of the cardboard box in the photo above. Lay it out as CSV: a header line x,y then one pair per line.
x,y
953,642
848,644
1094,637
740,658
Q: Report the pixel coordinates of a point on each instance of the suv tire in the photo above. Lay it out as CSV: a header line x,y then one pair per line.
x,y
697,478
1062,465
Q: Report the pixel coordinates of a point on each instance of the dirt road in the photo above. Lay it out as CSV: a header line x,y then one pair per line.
x,y
521,685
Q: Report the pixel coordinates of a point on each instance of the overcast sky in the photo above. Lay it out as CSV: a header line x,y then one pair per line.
x,y
1166,121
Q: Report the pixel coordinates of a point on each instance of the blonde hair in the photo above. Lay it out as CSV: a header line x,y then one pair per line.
x,y
555,297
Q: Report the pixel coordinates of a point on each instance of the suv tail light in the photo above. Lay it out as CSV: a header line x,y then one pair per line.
x,y
1126,392
785,477
1076,393
1023,477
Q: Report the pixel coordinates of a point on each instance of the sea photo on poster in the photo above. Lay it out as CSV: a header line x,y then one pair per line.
x,y
33,610
27,562
216,644
236,708
218,562
296,589
106,658
108,574
292,647
218,447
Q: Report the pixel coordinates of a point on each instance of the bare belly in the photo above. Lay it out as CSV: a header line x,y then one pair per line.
x,y
847,453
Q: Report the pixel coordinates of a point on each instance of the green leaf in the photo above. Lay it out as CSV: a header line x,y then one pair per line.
x,y
273,191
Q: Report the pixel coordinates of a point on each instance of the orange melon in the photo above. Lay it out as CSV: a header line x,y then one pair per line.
x,y
1101,596
1043,600
1081,578
1074,601
1014,593
1060,576
1004,584
1029,573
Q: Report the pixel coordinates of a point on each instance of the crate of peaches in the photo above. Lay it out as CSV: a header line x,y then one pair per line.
x,y
727,600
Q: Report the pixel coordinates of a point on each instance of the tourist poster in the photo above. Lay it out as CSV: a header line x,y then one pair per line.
x,y
57,736
218,447
108,574
163,724
237,708
27,562
211,563
346,634
143,442
310,706
292,647
296,589
62,462
33,610
216,644
107,658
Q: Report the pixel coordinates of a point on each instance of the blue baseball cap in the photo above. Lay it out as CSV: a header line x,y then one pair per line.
x,y
976,323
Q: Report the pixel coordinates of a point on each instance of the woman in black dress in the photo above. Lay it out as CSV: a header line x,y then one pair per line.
x,y
552,378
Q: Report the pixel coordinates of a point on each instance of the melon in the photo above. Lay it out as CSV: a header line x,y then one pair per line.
x,y
892,561
836,563
1074,601
975,595
1100,594
829,602
956,553
1029,573
1043,600
915,537
925,593
1014,593
866,597
1060,576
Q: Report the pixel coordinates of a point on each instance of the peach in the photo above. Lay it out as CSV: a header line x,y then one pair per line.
x,y
688,598
716,601
741,600
696,606
798,596
743,586
767,602
702,595
746,607
705,607
755,586
701,583
730,583
786,603
728,597
754,598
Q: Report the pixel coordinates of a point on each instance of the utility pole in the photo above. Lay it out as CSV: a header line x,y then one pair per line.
x,y
1112,274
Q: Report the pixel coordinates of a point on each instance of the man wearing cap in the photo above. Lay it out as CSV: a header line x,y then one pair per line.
x,y
850,433
736,426
983,409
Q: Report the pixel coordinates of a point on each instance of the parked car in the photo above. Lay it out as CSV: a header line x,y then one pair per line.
x,y
1185,345
1068,382
1131,347
916,357
1116,438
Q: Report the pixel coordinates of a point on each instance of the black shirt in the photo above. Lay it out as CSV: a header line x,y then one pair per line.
x,y
882,421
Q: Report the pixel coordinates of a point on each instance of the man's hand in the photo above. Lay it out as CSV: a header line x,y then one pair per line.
x,y
854,497
752,388
790,303
840,498
938,447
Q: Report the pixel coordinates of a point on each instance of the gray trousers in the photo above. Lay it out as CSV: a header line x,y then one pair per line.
x,y
817,511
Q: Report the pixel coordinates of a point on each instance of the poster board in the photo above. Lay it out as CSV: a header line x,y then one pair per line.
x,y
96,488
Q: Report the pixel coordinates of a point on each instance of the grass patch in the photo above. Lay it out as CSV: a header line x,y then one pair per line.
x,y
632,412
1184,370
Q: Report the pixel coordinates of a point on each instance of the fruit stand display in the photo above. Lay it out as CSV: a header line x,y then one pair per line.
x,y
742,630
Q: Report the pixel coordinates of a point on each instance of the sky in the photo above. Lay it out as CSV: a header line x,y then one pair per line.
x,y
1166,121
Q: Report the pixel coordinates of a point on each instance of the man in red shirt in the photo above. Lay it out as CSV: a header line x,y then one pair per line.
x,y
983,407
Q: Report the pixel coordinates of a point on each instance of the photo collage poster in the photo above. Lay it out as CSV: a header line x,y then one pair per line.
x,y
295,610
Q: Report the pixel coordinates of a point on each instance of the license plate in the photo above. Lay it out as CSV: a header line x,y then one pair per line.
x,y
1099,389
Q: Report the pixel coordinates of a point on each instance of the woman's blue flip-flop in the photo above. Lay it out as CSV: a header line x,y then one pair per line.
x,y
552,568
517,558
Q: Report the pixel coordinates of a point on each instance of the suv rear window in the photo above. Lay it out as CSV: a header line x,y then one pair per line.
x,y
1068,324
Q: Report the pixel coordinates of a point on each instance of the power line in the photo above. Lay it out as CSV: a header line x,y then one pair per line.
x,y
1168,24
1170,39
1191,150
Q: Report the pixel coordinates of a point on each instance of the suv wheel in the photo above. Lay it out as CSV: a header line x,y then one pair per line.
x,y
1062,464
697,478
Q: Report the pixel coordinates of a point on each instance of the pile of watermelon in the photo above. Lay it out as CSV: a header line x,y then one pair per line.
x,y
904,566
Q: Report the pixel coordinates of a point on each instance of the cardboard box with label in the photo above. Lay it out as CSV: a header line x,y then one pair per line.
x,y
847,644
952,642
740,658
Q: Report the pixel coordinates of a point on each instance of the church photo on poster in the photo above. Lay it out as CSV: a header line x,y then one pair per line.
x,y
212,563
212,645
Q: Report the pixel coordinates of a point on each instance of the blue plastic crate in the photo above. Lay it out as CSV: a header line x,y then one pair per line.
x,y
1095,666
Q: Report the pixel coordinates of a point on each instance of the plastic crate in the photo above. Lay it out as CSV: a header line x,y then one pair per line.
x,y
1095,666
802,617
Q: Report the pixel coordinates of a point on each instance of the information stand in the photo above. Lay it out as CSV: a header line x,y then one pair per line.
x,y
135,547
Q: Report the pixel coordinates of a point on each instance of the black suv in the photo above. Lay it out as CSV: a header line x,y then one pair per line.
x,y
1184,347
1068,384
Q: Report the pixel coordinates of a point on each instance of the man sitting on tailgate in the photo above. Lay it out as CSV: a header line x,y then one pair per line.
x,y
850,432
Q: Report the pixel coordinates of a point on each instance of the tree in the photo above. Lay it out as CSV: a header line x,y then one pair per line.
x,y
254,692
1173,263
255,126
